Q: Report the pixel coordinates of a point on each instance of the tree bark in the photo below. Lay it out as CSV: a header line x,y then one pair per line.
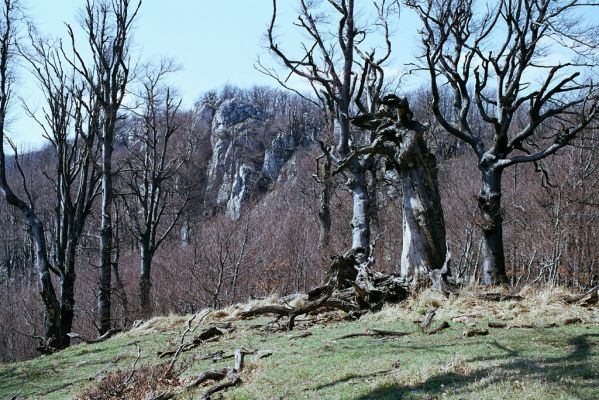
x,y
324,213
145,283
104,302
52,332
400,139
361,207
424,241
489,205
67,296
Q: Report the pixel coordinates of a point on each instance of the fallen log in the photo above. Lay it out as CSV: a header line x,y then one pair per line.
x,y
442,326
233,379
499,297
210,334
207,376
501,325
475,332
373,332
99,339
572,321
589,298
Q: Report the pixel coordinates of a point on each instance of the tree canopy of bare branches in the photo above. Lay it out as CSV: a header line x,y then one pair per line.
x,y
521,79
345,73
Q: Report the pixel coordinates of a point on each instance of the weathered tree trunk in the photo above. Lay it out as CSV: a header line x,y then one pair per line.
x,y
52,332
106,234
489,205
361,208
358,183
145,283
424,241
400,139
67,296
52,326
324,213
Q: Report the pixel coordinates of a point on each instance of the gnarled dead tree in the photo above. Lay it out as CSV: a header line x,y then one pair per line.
x,y
400,140
353,286
496,57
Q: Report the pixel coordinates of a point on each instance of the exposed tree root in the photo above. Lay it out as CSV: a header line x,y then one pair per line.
x,y
352,287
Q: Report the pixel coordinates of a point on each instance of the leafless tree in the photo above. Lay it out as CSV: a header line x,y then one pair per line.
x,y
52,335
107,26
70,124
154,198
52,308
502,65
343,73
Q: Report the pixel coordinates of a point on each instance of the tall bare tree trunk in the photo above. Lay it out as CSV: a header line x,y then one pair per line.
x,y
360,222
324,212
358,186
145,283
67,295
106,234
52,332
489,205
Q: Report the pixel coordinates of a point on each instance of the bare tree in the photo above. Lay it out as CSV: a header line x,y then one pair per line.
x,y
52,334
107,26
155,197
500,68
338,67
70,124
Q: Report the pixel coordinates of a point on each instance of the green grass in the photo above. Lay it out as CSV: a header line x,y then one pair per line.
x,y
556,363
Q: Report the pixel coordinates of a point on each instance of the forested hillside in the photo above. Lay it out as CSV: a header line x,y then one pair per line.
x,y
349,191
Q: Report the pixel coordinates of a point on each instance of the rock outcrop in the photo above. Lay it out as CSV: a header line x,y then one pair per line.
x,y
249,150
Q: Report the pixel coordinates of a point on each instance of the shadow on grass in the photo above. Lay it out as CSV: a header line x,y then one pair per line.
x,y
575,372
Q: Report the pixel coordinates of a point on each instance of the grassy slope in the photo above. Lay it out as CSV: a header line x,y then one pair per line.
x,y
555,363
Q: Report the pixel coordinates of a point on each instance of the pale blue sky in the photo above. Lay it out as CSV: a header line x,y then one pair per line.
x,y
215,42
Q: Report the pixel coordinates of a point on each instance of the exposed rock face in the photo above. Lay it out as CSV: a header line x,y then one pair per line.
x,y
249,151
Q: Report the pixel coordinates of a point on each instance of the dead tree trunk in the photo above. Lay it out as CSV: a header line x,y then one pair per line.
x,y
400,139
424,242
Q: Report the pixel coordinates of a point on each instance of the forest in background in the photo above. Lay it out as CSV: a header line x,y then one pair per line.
x,y
221,203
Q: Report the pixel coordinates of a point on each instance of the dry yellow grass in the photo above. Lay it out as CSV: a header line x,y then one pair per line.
x,y
539,306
